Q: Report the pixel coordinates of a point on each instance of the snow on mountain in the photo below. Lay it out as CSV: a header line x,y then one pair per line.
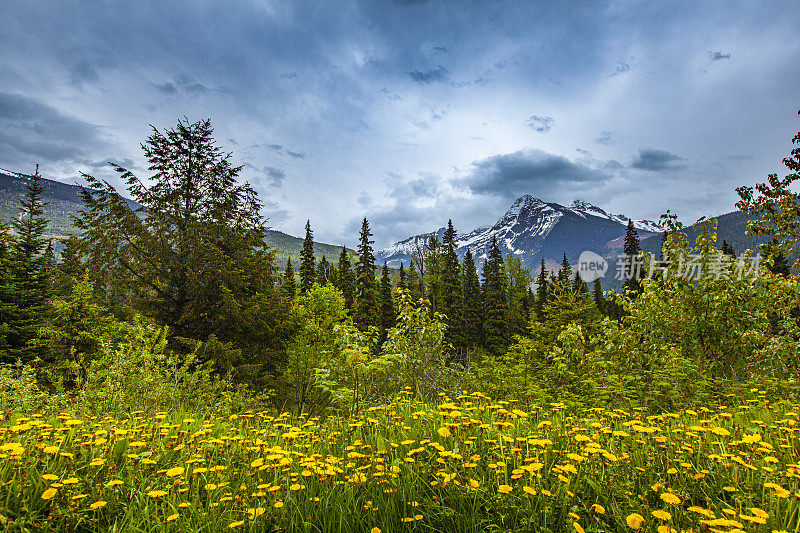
x,y
532,229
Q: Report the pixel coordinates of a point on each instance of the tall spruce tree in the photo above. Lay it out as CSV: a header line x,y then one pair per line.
x,y
288,283
307,270
542,291
345,280
565,272
451,287
30,271
197,261
471,304
388,308
495,302
631,248
367,313
599,298
403,278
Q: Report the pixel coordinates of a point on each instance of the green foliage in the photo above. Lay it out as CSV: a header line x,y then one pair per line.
x,y
416,346
313,346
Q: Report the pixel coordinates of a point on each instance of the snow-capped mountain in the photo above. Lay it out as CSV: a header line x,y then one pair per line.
x,y
533,229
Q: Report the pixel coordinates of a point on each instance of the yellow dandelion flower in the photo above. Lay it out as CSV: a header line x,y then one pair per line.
x,y
504,489
375,530
597,508
635,520
49,493
662,515
157,493
529,490
232,525
670,498
578,527
174,472
98,504
443,431
278,504
114,482
49,477
172,517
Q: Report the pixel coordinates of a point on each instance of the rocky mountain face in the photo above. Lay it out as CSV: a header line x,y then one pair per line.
x,y
533,229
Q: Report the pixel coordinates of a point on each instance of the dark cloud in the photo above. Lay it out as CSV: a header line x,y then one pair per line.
x,y
296,155
33,131
718,55
166,88
276,175
605,138
540,124
527,171
274,146
656,160
438,74
83,71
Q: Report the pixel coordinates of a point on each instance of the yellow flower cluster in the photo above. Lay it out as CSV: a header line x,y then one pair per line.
x,y
722,468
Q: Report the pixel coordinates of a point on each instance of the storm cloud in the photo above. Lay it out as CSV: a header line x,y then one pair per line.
x,y
528,172
656,160
466,105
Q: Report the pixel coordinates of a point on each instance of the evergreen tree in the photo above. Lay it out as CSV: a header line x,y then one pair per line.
x,y
542,291
579,285
345,280
403,282
367,313
288,284
495,302
307,270
632,249
70,269
8,307
565,272
451,288
431,285
30,270
388,309
471,306
324,272
197,261
599,298
778,264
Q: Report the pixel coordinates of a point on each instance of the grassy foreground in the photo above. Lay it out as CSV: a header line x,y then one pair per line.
x,y
467,464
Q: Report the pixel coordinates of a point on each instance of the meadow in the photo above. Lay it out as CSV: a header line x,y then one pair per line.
x,y
464,464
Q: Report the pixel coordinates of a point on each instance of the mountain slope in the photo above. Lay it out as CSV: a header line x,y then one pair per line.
x,y
64,199
533,229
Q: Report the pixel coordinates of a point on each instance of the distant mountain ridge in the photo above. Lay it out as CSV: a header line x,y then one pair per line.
x,y
534,229
63,199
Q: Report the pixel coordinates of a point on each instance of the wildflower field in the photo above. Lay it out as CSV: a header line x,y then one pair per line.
x,y
464,464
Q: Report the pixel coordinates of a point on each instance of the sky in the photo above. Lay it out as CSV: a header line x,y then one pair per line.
x,y
411,113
